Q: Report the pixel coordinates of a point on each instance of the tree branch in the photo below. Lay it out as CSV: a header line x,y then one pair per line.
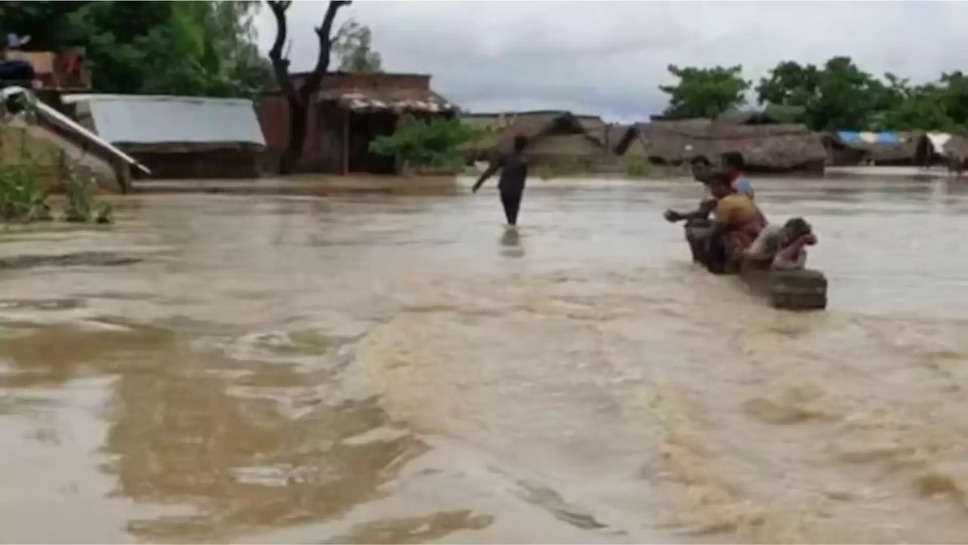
x,y
299,99
280,66
325,45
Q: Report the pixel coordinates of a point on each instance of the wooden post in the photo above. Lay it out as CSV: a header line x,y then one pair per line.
x,y
346,141
123,173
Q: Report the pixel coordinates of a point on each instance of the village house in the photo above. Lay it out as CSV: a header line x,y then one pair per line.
x,y
347,113
556,139
934,148
175,136
765,147
876,148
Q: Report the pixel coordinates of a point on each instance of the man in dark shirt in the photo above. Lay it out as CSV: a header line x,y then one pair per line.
x,y
698,225
514,171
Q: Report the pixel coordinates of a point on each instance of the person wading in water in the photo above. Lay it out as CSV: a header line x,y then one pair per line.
x,y
514,171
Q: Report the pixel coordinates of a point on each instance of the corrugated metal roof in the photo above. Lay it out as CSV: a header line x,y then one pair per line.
x,y
155,119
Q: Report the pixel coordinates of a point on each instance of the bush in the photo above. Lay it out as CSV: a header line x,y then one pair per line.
x,y
21,198
635,167
427,143
79,189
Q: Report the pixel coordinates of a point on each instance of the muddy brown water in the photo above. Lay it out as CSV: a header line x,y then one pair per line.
x,y
397,368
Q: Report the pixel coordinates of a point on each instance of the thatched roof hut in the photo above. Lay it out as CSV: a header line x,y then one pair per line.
x,y
626,141
592,124
883,148
483,121
747,117
766,148
935,147
551,134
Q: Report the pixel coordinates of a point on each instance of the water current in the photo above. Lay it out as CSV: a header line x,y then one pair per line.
x,y
390,368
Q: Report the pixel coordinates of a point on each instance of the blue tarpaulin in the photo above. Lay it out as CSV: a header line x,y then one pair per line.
x,y
853,137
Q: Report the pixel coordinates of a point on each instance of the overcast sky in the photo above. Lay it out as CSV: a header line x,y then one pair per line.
x,y
609,58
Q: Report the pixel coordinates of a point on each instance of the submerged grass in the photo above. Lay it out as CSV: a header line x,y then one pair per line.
x,y
24,200
21,198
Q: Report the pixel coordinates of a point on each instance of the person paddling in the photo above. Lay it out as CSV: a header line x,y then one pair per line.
x,y
514,172
697,221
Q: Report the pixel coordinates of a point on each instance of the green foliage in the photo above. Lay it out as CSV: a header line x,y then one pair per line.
x,y
636,167
846,96
352,46
44,22
190,48
921,108
789,84
841,96
786,113
704,92
427,143
104,214
79,192
21,199
78,207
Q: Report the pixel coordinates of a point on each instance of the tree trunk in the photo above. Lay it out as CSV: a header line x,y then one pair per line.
x,y
300,99
298,114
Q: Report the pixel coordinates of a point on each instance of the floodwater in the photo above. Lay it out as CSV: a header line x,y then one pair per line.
x,y
396,368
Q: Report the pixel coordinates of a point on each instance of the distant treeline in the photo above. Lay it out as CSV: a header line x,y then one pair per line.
x,y
836,96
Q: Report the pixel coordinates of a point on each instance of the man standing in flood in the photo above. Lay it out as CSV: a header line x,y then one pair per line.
x,y
514,171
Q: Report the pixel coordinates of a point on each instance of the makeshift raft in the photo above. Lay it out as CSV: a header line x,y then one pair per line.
x,y
792,290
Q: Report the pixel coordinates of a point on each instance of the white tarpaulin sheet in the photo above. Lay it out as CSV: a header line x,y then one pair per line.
x,y
153,119
938,140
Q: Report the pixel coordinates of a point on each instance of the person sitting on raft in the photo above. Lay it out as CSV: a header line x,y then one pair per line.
x,y
702,171
737,223
734,164
697,221
782,247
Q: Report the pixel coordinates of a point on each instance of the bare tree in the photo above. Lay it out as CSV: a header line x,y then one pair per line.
x,y
300,98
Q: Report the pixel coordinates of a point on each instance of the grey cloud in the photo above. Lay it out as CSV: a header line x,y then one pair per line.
x,y
609,58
